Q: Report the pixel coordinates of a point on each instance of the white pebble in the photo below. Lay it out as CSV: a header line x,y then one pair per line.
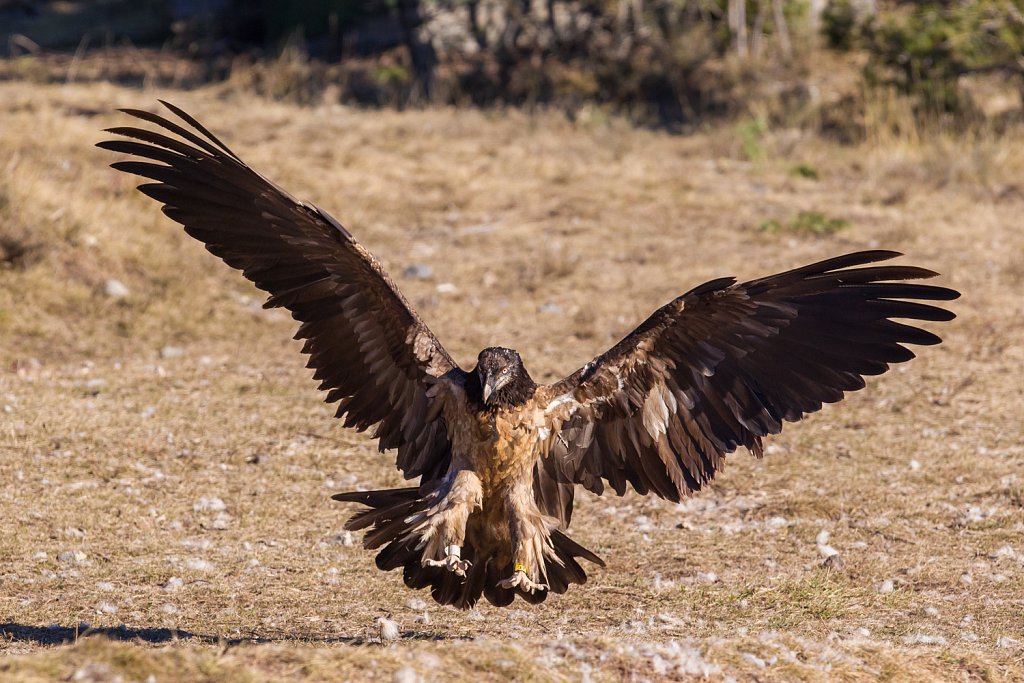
x,y
966,578
915,465
209,505
643,523
168,608
343,538
1007,642
199,565
823,537
406,674
886,586
115,289
72,556
173,584
105,586
416,604
106,608
171,352
1005,551
389,630
923,639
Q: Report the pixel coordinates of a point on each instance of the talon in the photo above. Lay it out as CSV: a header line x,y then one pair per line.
x,y
452,561
520,579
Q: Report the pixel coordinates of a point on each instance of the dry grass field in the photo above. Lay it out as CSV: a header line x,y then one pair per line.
x,y
167,464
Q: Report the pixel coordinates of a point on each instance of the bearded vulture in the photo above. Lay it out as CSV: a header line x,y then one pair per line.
x,y
496,455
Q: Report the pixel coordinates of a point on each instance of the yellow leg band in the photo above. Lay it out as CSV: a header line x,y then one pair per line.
x,y
519,568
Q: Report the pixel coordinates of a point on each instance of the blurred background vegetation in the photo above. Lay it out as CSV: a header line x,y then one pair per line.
x,y
847,68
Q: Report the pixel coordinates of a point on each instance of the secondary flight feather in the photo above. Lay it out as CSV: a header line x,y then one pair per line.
x,y
496,455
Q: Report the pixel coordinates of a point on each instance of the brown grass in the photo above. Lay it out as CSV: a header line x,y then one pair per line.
x,y
108,439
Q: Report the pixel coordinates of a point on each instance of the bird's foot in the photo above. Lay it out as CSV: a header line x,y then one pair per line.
x,y
519,578
452,561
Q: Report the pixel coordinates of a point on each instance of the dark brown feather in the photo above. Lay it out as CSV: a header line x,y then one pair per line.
x,y
368,348
726,364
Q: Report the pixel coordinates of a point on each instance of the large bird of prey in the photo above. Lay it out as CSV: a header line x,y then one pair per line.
x,y
498,456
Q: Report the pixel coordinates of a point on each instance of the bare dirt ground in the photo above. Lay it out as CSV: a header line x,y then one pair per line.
x,y
167,463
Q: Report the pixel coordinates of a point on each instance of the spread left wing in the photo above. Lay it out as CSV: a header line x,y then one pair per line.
x,y
371,352
726,364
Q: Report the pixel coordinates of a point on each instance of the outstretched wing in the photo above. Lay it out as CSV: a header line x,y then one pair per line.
x,y
726,364
369,349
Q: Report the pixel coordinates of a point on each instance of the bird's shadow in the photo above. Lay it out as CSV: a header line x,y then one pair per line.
x,y
56,634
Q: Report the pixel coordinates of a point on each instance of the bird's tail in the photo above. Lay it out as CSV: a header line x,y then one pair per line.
x,y
389,520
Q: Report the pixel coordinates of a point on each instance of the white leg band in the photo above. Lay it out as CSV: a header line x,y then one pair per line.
x,y
453,551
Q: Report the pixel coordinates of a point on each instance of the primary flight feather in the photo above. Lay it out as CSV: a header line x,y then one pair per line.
x,y
497,455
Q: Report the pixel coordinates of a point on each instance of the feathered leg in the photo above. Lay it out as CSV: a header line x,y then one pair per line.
x,y
531,541
441,528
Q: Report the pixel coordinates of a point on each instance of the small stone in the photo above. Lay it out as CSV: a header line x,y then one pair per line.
x,y
93,672
106,608
550,307
343,538
416,604
823,537
105,586
173,585
447,288
406,674
115,289
71,556
1006,642
886,587
1005,551
966,578
834,562
199,564
707,577
209,505
915,466
827,551
168,608
220,522
172,352
923,639
389,630
931,611
418,271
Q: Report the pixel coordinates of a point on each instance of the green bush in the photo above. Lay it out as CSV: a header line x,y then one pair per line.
x,y
923,49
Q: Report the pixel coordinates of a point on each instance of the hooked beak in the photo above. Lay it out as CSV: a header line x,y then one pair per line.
x,y
489,386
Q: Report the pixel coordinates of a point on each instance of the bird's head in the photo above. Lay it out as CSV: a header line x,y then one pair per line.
x,y
503,379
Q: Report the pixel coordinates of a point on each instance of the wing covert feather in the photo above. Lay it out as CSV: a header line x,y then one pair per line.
x,y
726,364
369,350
